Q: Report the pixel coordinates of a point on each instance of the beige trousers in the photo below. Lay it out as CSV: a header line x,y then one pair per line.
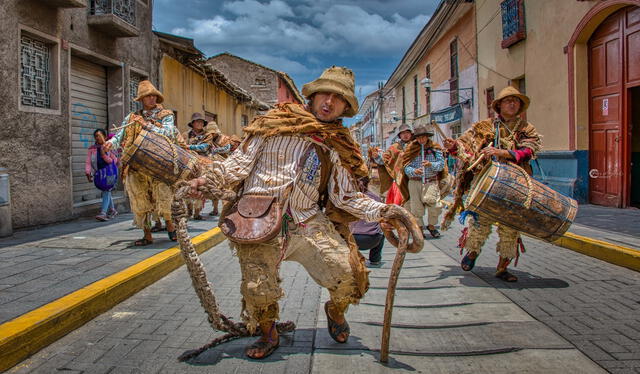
x,y
147,196
480,230
425,197
317,246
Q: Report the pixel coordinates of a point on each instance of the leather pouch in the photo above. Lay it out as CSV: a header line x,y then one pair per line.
x,y
253,219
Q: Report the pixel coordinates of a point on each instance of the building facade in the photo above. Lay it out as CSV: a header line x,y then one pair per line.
x,y
68,67
437,77
575,60
189,84
265,84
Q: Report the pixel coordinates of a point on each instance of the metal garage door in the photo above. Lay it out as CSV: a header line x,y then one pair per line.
x,y
88,112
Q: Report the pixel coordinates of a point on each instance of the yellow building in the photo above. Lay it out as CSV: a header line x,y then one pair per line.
x,y
437,77
577,61
190,85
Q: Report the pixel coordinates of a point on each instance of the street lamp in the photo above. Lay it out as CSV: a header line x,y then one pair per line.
x,y
427,82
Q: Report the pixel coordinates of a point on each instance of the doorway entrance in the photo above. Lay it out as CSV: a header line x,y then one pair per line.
x,y
614,49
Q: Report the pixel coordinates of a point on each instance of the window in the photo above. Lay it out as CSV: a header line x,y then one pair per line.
x,y
134,80
35,72
521,85
415,96
490,94
404,106
453,80
513,22
245,120
260,82
456,129
427,94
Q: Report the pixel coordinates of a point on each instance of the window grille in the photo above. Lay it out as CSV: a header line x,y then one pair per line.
x,y
513,22
134,105
123,9
35,73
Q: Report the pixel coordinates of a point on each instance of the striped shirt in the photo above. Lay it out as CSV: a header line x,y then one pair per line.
x,y
431,155
269,165
168,128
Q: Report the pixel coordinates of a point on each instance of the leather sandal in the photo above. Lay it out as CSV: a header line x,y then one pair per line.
x,y
506,276
335,329
142,242
268,347
467,262
434,233
173,235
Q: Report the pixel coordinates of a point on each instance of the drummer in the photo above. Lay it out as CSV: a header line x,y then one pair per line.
x,y
147,194
505,138
200,141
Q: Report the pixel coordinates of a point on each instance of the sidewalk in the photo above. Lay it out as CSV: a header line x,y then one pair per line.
x,y
444,322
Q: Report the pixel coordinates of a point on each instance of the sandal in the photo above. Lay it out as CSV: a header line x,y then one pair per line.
x,y
157,228
467,262
334,328
142,242
265,346
506,276
173,235
434,233
198,218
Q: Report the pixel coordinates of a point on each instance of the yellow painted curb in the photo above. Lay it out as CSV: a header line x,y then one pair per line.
x,y
612,253
27,334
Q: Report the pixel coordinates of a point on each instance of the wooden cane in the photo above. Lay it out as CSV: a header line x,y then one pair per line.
x,y
406,226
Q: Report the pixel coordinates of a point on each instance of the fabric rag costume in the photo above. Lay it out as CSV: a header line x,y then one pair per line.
x,y
522,141
146,194
312,166
420,191
201,143
391,169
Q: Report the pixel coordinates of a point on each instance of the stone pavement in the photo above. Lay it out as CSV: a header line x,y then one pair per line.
x,y
613,225
591,303
41,265
445,321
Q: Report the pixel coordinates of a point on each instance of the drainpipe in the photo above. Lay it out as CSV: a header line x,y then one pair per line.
x,y
6,227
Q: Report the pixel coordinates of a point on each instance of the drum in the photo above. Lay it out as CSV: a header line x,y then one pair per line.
x,y
508,195
154,155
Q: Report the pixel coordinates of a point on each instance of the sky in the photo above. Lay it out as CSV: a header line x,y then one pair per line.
x,y
302,37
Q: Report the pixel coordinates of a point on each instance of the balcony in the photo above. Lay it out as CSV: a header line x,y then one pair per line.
x,y
66,3
114,17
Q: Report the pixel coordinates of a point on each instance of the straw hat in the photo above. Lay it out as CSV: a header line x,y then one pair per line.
x,y
146,88
337,80
195,117
422,130
404,127
510,91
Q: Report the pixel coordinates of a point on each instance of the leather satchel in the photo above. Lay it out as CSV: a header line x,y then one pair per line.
x,y
253,219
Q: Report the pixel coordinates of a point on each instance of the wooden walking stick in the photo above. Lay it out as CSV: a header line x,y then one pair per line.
x,y
406,226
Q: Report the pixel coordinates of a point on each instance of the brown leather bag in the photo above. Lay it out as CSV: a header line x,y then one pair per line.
x,y
253,219
258,218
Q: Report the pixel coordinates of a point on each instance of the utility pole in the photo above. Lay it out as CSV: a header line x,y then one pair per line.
x,y
380,107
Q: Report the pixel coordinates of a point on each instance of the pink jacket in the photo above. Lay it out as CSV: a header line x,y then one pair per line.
x,y
91,164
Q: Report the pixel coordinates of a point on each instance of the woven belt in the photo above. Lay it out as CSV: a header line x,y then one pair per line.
x,y
432,179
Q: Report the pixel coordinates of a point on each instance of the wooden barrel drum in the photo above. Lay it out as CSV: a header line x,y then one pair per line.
x,y
508,195
154,155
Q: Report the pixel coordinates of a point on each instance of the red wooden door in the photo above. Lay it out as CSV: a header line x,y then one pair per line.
x,y
608,110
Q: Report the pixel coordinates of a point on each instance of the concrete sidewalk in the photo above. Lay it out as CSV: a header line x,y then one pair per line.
x,y
444,322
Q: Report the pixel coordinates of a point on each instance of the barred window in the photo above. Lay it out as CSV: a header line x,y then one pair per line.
x,y
245,120
35,72
456,129
134,80
513,22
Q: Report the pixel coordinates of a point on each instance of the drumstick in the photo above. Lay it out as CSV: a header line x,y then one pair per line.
x,y
475,163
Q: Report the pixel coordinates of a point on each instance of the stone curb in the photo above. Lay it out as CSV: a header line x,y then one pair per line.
x,y
611,253
27,334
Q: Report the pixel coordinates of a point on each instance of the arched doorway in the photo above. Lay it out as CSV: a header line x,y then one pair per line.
x,y
614,109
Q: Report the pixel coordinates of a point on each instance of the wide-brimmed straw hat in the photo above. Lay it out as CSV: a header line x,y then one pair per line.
x,y
422,130
337,80
146,88
196,116
404,127
510,91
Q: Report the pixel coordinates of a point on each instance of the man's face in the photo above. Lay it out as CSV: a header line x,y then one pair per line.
x,y
422,139
509,107
149,101
328,106
197,125
405,136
